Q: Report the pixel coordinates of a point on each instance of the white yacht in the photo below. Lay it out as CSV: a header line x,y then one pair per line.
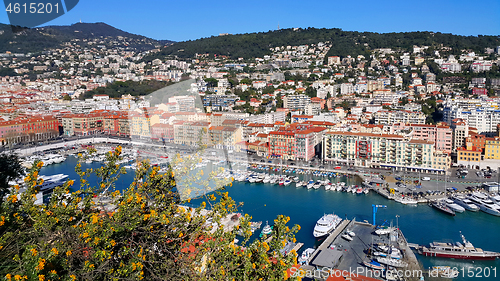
x,y
406,200
466,203
495,198
325,224
485,204
454,206
50,182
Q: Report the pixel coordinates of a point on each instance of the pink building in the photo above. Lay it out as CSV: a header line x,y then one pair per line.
x,y
439,134
304,144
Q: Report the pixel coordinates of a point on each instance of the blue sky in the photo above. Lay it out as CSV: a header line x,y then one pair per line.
x,y
193,19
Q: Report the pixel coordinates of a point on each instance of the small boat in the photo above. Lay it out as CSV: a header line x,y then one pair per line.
x,y
306,254
406,201
392,262
317,185
298,184
347,237
352,234
442,207
383,231
374,264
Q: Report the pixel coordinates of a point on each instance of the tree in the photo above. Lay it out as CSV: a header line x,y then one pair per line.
x,y
145,232
67,98
11,169
212,82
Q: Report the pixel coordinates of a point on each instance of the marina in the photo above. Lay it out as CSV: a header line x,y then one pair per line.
x,y
263,201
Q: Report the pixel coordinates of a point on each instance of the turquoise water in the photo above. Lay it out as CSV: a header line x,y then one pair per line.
x,y
420,224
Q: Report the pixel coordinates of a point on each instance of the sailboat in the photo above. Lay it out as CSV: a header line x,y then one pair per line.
x,y
372,263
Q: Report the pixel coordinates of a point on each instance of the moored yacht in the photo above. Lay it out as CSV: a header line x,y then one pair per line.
x,y
464,250
326,224
485,204
454,206
466,203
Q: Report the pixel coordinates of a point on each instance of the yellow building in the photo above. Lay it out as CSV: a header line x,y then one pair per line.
x,y
140,125
492,148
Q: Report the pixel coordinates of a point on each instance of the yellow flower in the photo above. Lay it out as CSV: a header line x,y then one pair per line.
x,y
180,234
33,252
55,251
53,271
13,198
73,277
41,277
71,182
113,243
39,165
8,276
95,219
17,277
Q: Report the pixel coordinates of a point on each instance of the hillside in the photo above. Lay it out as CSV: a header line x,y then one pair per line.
x,y
344,42
23,40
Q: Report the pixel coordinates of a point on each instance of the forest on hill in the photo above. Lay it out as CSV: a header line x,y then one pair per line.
x,y
344,43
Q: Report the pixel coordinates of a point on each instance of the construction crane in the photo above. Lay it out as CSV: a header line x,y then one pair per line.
x,y
374,211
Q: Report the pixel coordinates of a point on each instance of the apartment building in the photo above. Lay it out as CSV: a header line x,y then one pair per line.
x,y
28,129
492,148
441,135
224,137
191,133
386,117
484,119
385,151
296,102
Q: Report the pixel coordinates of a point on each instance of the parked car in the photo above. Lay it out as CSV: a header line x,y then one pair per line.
x,y
426,179
398,178
337,168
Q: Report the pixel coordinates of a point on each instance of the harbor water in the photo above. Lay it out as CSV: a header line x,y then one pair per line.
x,y
420,224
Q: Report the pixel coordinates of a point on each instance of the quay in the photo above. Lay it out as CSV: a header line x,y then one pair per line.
x,y
348,256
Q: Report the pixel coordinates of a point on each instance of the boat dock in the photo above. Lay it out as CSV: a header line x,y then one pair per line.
x,y
338,254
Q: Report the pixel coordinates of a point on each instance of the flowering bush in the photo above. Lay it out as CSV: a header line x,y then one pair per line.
x,y
145,232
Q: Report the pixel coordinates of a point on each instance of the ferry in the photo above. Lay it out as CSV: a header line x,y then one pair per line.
x,y
326,224
464,250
